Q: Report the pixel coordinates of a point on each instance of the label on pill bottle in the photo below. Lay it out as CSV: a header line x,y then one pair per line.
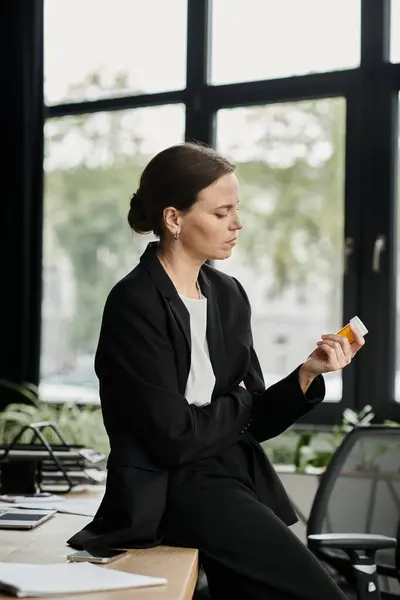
x,y
347,332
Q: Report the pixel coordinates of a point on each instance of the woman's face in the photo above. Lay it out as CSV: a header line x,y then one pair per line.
x,y
210,229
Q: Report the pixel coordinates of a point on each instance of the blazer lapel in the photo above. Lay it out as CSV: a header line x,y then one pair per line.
x,y
215,335
182,316
150,262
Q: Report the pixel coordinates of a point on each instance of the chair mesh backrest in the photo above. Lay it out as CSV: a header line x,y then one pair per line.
x,y
360,491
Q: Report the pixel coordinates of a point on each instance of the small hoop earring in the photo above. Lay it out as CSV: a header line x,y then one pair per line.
x,y
176,236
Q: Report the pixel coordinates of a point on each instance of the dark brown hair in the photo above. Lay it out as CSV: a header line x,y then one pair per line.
x,y
174,177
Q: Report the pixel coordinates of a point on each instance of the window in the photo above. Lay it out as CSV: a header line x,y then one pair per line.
x,y
92,164
301,196
395,31
95,48
289,258
267,39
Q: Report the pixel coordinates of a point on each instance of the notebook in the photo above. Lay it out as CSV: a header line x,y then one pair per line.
x,y
23,580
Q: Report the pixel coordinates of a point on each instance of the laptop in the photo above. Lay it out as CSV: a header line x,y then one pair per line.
x,y
16,518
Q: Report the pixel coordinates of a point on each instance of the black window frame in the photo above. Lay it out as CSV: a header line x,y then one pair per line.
x,y
371,95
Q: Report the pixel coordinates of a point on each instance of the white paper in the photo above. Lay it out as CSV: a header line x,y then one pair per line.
x,y
34,499
85,506
68,578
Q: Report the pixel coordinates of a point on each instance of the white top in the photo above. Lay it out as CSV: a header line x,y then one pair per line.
x,y
201,379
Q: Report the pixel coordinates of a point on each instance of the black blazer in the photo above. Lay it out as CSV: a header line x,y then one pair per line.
x,y
143,362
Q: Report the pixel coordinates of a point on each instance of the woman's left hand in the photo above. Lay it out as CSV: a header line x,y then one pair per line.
x,y
333,353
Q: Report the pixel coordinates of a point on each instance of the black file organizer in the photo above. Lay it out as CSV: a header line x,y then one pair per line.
x,y
21,464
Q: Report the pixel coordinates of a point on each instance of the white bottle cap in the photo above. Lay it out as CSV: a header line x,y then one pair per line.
x,y
359,325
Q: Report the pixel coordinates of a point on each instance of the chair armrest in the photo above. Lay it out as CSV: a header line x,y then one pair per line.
x,y
361,549
351,541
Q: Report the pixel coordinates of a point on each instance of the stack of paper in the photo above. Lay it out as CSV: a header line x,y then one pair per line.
x,y
28,498
46,580
75,506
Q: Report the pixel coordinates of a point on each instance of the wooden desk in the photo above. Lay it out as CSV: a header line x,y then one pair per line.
x,y
46,544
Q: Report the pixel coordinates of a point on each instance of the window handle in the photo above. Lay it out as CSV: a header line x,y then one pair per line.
x,y
379,247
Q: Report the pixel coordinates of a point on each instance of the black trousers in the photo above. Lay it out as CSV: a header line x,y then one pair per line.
x,y
247,552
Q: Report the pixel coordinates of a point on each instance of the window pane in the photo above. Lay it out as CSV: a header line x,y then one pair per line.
x,y
289,258
92,164
395,31
98,48
267,39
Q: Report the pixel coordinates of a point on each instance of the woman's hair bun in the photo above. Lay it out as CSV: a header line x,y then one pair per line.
x,y
138,218
174,177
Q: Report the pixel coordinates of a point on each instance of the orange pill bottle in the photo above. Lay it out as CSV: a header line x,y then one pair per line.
x,y
347,332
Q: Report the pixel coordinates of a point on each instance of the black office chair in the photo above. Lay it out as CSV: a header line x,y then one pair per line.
x,y
355,515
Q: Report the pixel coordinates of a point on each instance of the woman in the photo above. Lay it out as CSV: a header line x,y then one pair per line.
x,y
183,398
